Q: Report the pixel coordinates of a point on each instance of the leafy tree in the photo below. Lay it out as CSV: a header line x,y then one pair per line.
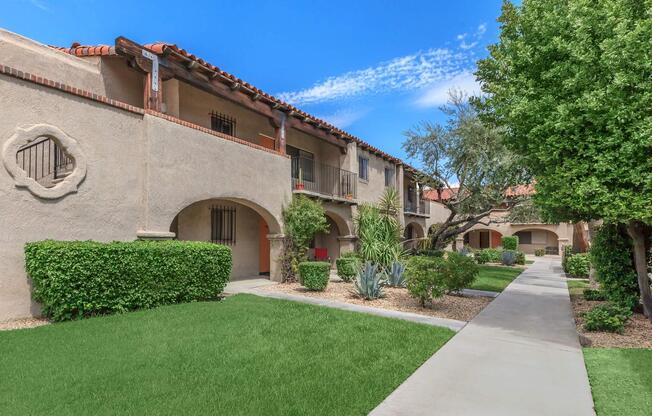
x,y
569,82
303,218
468,164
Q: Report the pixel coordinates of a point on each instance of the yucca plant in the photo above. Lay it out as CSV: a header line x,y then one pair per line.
x,y
395,276
369,283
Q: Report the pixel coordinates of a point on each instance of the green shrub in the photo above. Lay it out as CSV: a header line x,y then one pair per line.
x,y
459,272
509,257
594,294
488,255
369,283
424,278
540,252
431,253
350,255
347,268
520,258
611,255
509,242
74,279
607,317
314,274
578,265
566,253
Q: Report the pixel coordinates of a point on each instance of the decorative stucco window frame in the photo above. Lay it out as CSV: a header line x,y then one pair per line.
x,y
25,135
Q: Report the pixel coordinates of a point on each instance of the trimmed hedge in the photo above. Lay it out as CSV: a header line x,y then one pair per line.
x,y
509,242
75,279
489,255
577,265
347,268
314,274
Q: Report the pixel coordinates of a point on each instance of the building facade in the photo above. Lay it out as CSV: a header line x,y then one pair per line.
x,y
126,141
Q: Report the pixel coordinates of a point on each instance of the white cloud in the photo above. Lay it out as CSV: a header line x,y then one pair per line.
x,y
343,118
40,4
438,94
402,73
420,70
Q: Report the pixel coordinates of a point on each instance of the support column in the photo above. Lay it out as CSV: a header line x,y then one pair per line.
x,y
400,180
459,242
347,243
275,253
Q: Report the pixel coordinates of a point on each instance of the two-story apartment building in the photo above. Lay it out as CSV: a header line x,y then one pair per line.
x,y
125,141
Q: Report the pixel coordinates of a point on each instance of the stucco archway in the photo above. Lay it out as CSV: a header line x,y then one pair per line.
x,y
412,234
532,239
330,244
483,238
242,225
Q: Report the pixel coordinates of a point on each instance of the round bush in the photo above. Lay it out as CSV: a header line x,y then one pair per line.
x,y
459,272
425,278
578,265
539,252
607,317
488,255
509,242
314,274
347,268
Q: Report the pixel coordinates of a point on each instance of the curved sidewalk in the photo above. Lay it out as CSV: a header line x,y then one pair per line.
x,y
519,356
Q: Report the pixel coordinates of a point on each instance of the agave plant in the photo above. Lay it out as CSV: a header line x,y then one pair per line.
x,y
368,284
395,276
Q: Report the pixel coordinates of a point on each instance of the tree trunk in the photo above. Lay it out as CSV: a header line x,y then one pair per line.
x,y
593,228
636,230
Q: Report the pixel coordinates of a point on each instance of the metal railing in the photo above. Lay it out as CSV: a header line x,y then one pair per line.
x,y
323,179
412,207
44,160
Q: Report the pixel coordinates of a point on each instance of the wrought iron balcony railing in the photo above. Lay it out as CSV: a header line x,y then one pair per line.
x,y
310,176
420,208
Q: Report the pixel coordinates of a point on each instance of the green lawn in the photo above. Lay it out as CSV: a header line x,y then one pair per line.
x,y
577,286
244,355
495,278
621,380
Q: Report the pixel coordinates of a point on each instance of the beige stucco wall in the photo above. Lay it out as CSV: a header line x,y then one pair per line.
x,y
196,105
122,82
141,172
194,223
324,152
371,190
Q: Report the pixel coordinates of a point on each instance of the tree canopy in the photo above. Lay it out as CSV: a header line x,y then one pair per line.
x,y
570,84
467,162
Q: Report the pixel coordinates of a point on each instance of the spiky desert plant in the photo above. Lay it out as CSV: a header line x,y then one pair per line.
x,y
369,283
395,276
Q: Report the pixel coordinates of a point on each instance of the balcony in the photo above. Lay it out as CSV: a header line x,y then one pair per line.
x,y
417,209
323,181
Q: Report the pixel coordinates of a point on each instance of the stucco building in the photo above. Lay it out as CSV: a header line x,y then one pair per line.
x,y
126,141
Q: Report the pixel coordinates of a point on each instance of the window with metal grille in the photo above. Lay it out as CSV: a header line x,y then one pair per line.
x,y
389,177
223,225
303,162
223,123
363,168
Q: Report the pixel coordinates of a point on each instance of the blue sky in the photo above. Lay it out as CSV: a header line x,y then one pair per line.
x,y
373,68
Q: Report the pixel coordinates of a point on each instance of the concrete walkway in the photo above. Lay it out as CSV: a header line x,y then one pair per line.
x,y
519,356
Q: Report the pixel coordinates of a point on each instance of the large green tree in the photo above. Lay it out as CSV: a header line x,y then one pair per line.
x,y
570,81
467,162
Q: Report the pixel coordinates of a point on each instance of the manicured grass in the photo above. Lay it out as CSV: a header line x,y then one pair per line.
x,y
244,355
495,278
577,286
621,380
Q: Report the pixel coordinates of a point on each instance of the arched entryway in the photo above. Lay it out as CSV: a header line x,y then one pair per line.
x,y
479,239
241,225
532,239
412,234
326,246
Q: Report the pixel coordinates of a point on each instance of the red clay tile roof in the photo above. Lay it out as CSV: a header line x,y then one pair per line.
x,y
162,48
446,194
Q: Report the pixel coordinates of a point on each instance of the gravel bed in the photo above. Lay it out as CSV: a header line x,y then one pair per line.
x,y
23,323
461,308
637,334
